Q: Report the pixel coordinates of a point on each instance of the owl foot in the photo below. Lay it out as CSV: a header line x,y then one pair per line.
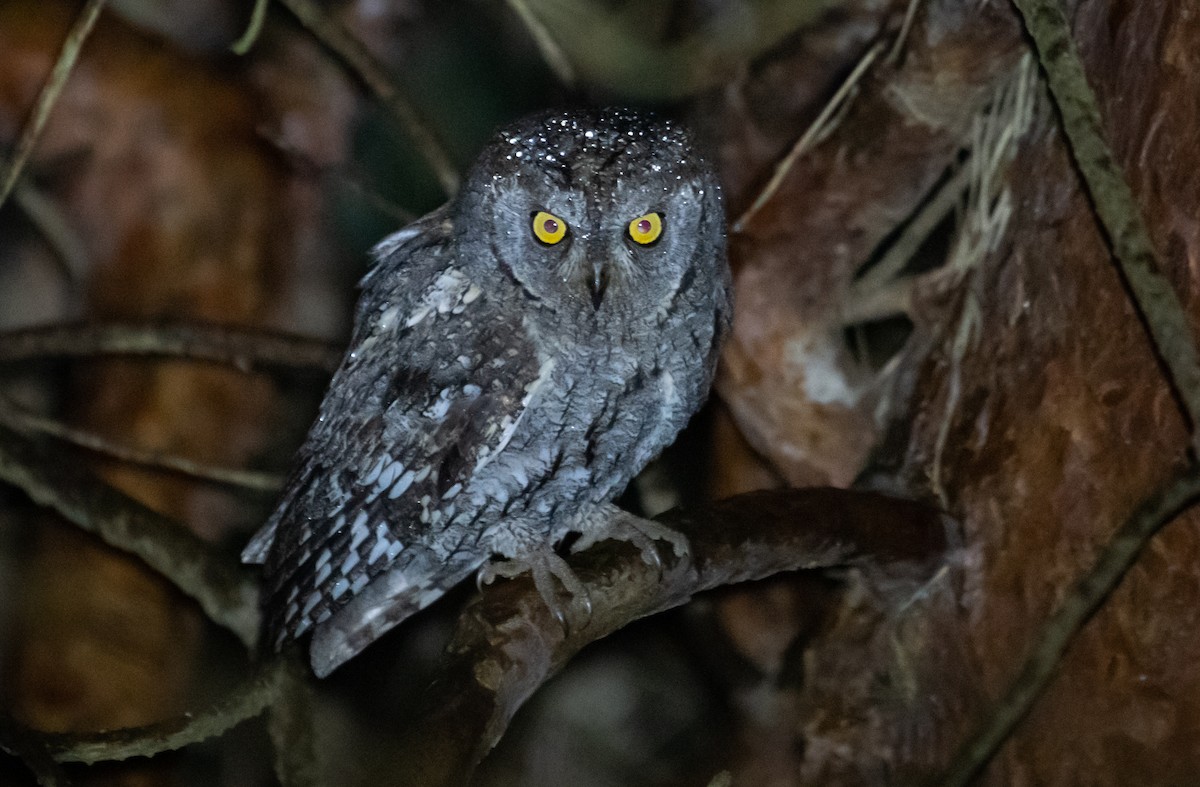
x,y
544,566
613,523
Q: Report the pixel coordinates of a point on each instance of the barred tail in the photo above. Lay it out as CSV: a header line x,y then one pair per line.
x,y
385,602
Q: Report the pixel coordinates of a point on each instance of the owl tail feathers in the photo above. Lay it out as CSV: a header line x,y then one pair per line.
x,y
385,602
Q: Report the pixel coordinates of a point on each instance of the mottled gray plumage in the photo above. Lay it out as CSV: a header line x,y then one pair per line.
x,y
498,390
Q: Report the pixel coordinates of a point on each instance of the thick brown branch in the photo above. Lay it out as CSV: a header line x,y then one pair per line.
x,y
508,643
242,348
223,588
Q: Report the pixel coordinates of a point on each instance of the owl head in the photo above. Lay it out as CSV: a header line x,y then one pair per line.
x,y
593,211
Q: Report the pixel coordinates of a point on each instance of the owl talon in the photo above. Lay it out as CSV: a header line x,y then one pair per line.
x,y
544,567
642,533
651,557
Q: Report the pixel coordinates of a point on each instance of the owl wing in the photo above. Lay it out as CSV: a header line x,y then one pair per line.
x,y
435,381
424,238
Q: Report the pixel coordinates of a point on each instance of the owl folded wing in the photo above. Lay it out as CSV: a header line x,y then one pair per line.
x,y
376,521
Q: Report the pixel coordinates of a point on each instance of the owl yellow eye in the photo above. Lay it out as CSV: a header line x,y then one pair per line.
x,y
646,229
548,228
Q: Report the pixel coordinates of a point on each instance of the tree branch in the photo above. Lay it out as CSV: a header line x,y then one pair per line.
x,y
245,701
28,423
225,590
368,68
258,16
552,53
815,130
508,643
245,349
11,172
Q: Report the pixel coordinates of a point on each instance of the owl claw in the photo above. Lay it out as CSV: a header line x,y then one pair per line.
x,y
642,533
651,557
544,567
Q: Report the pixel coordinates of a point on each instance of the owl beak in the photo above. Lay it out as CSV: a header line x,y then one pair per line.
x,y
598,283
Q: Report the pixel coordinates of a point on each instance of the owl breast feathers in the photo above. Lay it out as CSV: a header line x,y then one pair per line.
x,y
517,357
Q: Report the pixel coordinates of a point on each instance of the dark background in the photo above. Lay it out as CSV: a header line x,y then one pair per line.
x,y
926,303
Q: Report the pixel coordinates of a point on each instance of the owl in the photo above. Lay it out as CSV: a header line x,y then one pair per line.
x,y
517,356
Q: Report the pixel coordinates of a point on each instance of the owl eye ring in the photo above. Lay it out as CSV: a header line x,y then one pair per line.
x,y
646,229
548,228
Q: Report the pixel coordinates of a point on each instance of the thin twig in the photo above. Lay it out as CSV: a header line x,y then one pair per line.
x,y
225,590
242,348
894,300
248,699
346,176
1084,599
63,239
253,30
371,197
934,210
910,14
809,136
83,25
373,73
1114,202
552,53
22,420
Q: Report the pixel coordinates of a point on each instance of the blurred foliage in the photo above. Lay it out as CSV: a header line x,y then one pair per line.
x,y
661,50
468,81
